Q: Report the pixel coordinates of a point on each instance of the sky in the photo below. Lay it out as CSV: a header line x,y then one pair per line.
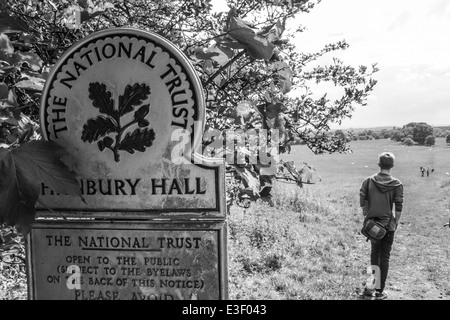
x,y
410,42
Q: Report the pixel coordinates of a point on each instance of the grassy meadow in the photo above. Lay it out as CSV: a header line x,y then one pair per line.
x,y
308,245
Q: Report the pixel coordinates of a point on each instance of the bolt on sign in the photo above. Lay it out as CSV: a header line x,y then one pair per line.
x,y
119,101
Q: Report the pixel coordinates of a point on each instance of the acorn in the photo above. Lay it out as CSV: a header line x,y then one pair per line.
x,y
108,141
101,145
143,123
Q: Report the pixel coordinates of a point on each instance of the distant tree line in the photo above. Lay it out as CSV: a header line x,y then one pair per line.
x,y
412,133
419,133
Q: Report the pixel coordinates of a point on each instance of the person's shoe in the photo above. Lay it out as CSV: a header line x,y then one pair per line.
x,y
380,295
368,292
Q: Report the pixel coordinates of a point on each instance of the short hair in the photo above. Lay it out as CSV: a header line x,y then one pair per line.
x,y
386,160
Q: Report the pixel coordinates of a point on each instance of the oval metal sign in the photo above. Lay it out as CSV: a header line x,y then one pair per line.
x,y
114,100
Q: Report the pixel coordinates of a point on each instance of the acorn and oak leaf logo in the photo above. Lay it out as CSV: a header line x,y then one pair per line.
x,y
109,122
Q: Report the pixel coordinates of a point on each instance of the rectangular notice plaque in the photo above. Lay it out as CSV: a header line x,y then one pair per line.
x,y
127,260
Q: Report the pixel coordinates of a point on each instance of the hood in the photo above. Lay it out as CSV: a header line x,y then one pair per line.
x,y
385,182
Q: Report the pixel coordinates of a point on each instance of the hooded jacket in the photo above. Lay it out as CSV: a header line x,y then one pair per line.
x,y
379,195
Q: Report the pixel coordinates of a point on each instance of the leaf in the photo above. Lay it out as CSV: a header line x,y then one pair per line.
x,y
274,31
132,96
12,59
5,71
17,195
33,60
202,55
101,99
27,39
11,101
5,44
290,167
222,54
97,128
91,13
284,76
307,173
7,51
208,67
230,43
138,140
31,84
12,98
10,24
271,114
3,91
250,177
23,169
142,112
43,162
269,168
256,46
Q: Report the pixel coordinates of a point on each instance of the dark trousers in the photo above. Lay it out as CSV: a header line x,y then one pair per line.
x,y
380,254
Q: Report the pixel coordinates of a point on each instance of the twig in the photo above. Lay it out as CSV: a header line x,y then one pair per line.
x,y
240,54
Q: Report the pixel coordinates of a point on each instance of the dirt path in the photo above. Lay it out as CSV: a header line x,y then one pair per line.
x,y
420,259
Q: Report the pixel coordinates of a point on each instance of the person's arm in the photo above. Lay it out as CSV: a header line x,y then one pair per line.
x,y
363,197
398,201
398,214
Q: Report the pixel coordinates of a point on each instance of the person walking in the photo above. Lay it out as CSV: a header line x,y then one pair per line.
x,y
380,195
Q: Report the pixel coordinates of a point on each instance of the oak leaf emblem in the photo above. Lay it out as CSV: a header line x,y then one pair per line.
x,y
108,128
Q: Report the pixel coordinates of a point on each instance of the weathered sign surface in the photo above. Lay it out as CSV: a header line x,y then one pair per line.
x,y
129,109
128,261
119,101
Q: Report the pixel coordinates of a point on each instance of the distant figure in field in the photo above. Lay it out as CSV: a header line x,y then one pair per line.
x,y
378,196
422,170
447,224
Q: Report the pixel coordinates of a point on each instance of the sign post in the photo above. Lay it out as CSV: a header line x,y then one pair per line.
x,y
129,109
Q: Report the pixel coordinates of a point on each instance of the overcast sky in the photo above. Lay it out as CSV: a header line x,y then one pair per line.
x,y
410,41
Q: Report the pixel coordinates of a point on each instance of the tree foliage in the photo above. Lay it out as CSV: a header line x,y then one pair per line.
x,y
419,130
430,140
408,142
245,58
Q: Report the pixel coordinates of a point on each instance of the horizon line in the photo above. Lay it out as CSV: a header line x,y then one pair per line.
x,y
382,126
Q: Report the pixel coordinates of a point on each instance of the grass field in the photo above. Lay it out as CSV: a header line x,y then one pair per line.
x,y
308,246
